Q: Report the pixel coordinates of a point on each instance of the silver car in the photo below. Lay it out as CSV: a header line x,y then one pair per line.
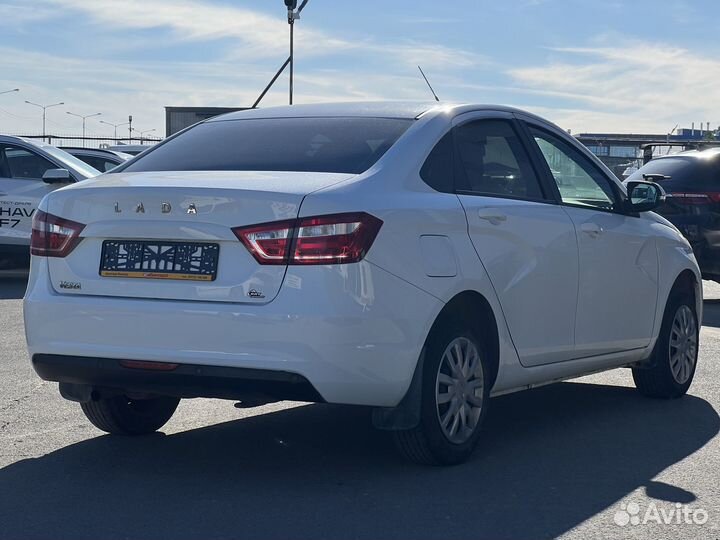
x,y
102,159
29,170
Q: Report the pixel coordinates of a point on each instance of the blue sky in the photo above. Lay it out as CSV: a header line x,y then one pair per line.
x,y
588,65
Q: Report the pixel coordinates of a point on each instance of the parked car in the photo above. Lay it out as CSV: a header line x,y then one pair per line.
x,y
132,149
101,159
415,258
692,203
28,171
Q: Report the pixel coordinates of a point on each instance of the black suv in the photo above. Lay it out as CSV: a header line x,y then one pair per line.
x,y
692,183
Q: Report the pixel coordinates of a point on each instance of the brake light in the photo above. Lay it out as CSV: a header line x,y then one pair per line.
x,y
268,242
331,239
53,236
695,198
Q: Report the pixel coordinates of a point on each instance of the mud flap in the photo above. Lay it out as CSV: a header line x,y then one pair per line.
x,y
406,415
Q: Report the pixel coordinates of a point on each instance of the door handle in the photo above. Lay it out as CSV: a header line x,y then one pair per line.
x,y
593,230
492,215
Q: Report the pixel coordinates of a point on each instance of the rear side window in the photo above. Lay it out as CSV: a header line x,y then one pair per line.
x,y
685,172
437,171
340,145
492,161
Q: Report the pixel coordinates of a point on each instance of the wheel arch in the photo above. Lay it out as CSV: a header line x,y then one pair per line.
x,y
406,415
483,323
687,282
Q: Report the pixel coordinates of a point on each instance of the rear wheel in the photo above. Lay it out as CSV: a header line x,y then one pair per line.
x,y
675,355
121,415
455,395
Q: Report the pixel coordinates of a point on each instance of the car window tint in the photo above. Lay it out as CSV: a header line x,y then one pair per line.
x,y
437,171
579,182
492,161
22,163
342,145
99,163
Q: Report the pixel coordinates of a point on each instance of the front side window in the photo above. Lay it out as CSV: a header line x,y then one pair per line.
x,y
340,145
579,182
24,164
492,161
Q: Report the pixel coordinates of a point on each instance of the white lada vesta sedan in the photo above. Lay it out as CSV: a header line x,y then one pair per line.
x,y
416,258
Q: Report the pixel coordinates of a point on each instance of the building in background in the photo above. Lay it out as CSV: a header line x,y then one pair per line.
x,y
622,151
178,118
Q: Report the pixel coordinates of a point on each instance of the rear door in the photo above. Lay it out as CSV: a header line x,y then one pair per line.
x,y
618,285
525,241
21,189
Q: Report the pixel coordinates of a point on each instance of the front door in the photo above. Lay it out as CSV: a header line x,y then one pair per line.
x,y
618,256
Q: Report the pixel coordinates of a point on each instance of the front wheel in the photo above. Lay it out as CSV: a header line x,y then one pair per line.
x,y
675,355
455,395
121,415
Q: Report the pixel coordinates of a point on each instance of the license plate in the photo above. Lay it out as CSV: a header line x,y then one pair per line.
x,y
159,260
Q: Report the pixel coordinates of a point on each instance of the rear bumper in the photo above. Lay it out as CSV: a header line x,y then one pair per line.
x,y
354,332
185,381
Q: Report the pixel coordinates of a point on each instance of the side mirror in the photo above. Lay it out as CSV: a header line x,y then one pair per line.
x,y
57,176
644,196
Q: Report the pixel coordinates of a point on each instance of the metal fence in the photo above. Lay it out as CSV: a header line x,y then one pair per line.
x,y
87,142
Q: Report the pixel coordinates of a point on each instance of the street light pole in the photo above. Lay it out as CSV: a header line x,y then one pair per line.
x,y
44,108
142,133
115,126
9,91
293,14
84,117
291,20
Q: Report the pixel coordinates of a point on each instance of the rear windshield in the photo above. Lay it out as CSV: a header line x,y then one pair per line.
x,y
339,145
684,172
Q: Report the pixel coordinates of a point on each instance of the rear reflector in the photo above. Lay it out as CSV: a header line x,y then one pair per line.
x,y
53,236
150,366
331,239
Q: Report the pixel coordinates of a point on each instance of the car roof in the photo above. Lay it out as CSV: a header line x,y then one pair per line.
x,y
369,109
14,139
103,151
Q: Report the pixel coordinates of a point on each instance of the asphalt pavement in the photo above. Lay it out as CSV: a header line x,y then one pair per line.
x,y
584,459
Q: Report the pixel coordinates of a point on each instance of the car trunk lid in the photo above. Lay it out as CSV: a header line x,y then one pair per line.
x,y
147,234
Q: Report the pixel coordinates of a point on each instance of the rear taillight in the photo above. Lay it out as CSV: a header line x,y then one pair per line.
x,y
53,236
331,239
694,198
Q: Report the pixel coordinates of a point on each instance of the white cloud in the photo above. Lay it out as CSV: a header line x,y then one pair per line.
x,y
247,48
630,86
253,35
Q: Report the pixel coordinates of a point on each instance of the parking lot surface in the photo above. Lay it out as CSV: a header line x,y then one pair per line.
x,y
584,459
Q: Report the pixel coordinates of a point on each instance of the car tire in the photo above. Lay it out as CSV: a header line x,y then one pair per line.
x,y
455,394
120,415
675,354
